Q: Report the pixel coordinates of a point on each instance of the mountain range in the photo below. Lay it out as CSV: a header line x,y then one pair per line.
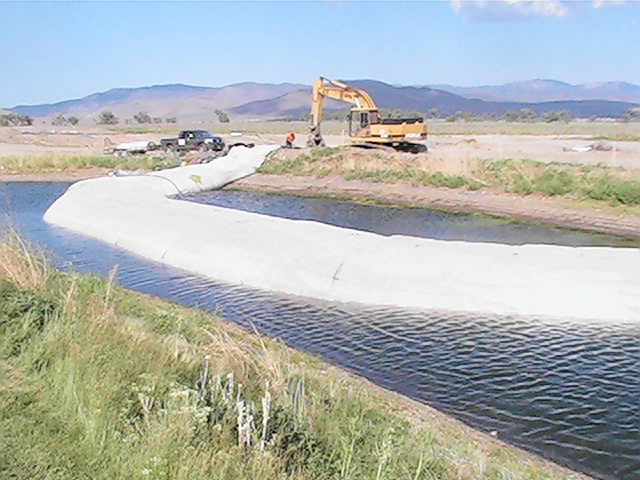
x,y
262,101
535,91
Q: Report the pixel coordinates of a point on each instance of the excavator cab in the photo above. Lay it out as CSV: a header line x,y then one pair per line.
x,y
359,122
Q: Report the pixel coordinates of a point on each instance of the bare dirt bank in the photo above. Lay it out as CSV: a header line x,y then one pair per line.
x,y
530,208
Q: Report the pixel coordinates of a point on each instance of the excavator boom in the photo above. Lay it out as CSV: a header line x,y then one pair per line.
x,y
366,127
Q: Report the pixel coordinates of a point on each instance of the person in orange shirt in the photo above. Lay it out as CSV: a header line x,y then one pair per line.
x,y
290,139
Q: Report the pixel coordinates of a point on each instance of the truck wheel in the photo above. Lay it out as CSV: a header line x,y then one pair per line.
x,y
170,148
203,148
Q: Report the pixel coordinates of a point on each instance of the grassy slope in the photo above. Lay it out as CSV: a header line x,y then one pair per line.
x,y
97,382
581,184
36,164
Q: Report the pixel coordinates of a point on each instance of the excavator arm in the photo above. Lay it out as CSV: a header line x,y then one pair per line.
x,y
325,88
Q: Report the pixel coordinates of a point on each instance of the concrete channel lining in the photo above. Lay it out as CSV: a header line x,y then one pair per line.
x,y
316,260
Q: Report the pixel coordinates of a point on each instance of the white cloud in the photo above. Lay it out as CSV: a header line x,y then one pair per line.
x,y
505,10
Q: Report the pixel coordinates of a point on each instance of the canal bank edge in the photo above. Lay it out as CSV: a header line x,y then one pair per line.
x,y
531,209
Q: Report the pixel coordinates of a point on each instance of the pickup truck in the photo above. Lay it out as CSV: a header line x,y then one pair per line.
x,y
200,140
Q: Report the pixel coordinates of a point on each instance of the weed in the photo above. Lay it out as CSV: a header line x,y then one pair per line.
x,y
555,181
604,187
522,184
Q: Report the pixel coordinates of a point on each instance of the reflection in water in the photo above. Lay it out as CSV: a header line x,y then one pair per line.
x,y
567,391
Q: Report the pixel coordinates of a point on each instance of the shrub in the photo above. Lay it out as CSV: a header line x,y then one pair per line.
x,y
522,184
555,181
604,187
450,181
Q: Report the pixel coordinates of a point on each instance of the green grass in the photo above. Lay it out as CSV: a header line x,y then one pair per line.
x,y
602,186
583,182
100,383
30,164
414,177
319,163
519,176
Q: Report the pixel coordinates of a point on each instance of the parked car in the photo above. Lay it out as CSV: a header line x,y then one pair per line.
x,y
200,140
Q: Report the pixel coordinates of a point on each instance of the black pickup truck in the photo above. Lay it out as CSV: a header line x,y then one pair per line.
x,y
200,140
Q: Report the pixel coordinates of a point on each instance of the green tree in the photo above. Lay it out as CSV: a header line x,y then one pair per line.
x,y
305,116
629,115
460,117
559,116
142,117
434,112
222,116
511,116
13,119
171,120
527,115
59,119
107,117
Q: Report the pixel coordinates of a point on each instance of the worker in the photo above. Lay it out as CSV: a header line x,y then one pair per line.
x,y
290,139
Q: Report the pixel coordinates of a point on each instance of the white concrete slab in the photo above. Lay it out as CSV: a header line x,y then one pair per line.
x,y
311,259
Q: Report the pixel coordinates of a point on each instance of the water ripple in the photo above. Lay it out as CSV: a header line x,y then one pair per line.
x,y
567,391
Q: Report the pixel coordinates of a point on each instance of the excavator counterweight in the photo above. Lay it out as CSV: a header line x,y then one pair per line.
x,y
366,126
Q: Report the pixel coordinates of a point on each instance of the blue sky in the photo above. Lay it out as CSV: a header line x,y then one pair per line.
x,y
54,51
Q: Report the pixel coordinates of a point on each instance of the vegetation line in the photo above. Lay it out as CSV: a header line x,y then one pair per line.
x,y
27,164
98,382
519,176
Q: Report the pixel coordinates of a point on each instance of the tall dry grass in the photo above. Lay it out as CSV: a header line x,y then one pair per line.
x,y
23,263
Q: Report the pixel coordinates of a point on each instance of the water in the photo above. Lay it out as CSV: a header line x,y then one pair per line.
x,y
404,221
567,391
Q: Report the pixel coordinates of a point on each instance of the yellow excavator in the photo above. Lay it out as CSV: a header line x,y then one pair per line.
x,y
366,126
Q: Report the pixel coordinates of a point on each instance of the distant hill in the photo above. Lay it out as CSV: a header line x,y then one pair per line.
x,y
268,101
425,98
536,91
183,101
